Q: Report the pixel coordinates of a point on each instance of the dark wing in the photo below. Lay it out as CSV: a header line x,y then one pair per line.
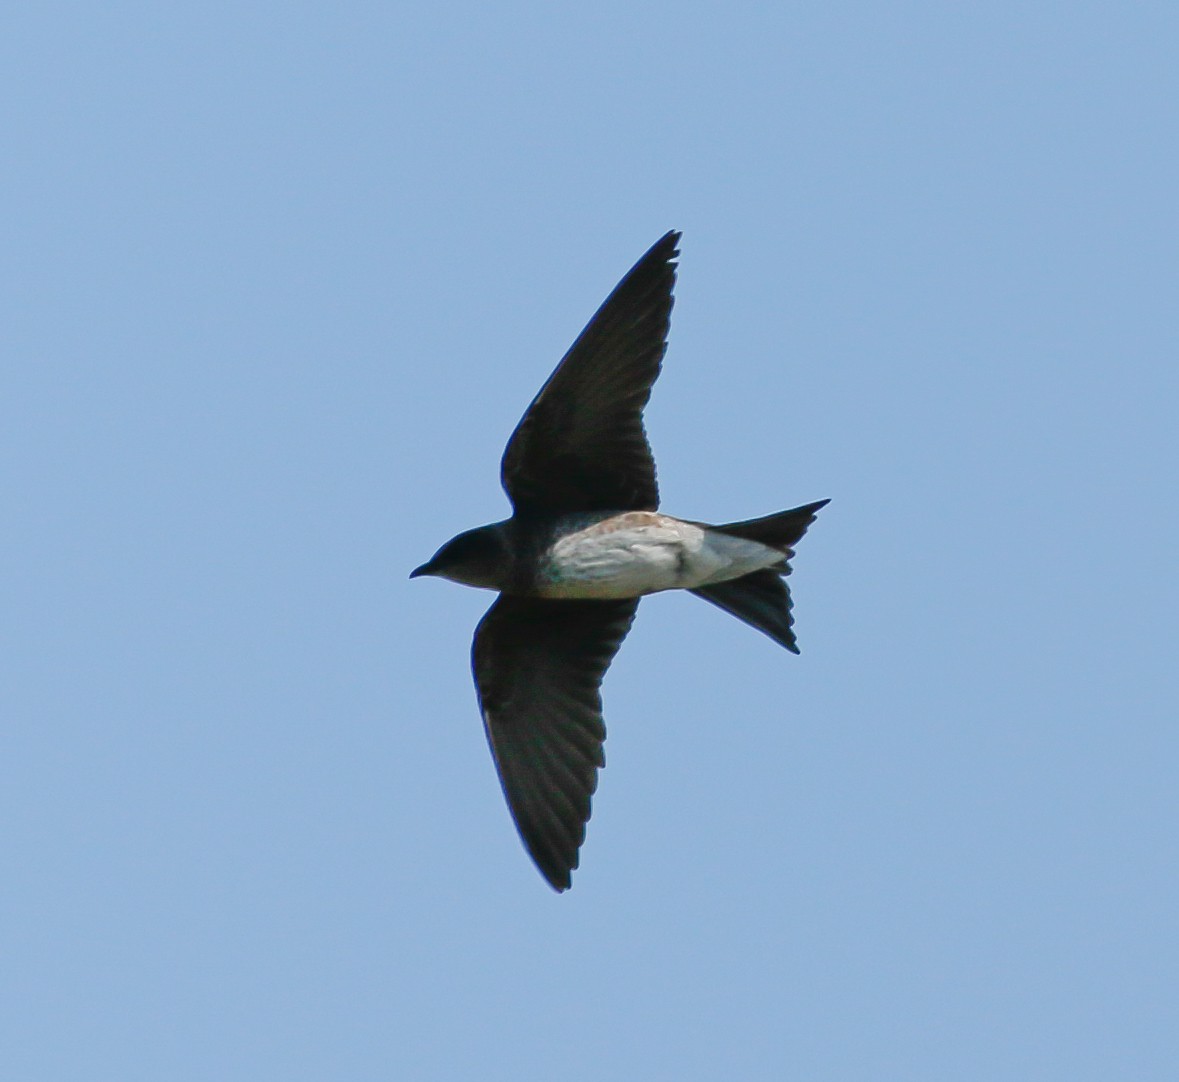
x,y
581,446
538,666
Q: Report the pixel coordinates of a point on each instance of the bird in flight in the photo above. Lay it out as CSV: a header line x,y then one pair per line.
x,y
584,543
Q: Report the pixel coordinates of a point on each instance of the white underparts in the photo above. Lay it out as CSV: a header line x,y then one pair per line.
x,y
643,552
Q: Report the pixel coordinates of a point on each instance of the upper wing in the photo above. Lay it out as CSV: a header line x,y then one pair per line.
x,y
538,666
581,446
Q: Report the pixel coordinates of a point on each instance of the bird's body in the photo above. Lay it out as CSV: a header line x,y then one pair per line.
x,y
584,543
644,552
604,556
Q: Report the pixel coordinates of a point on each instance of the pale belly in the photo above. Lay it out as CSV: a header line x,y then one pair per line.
x,y
643,552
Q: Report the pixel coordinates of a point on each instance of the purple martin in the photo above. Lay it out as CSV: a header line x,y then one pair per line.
x,y
584,543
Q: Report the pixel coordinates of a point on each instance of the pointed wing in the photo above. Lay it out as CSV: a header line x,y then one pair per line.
x,y
581,445
538,666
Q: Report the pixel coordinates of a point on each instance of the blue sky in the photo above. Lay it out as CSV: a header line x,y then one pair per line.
x,y
277,282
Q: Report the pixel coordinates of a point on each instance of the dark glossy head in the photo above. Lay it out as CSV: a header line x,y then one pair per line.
x,y
476,557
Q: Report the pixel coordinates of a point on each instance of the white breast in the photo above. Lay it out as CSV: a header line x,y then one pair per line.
x,y
642,552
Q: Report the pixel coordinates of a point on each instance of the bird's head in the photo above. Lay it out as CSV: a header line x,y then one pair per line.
x,y
476,557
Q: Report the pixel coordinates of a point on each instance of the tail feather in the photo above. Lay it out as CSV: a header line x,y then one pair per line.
x,y
761,599
780,531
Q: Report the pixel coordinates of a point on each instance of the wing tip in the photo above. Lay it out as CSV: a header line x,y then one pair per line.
x,y
559,882
666,247
556,872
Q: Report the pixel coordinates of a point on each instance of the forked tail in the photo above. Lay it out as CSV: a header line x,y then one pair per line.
x,y
761,599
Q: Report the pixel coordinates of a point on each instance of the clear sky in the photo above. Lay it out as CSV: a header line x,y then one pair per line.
x,y
276,282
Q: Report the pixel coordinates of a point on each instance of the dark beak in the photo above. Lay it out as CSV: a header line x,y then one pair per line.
x,y
423,570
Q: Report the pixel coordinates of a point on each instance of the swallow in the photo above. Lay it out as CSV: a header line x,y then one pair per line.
x,y
585,542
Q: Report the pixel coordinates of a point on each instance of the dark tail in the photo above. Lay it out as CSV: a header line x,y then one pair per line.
x,y
761,599
780,531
